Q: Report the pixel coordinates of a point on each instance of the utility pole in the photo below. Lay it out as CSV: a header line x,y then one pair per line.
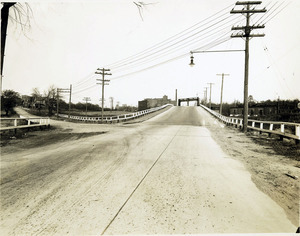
x,y
176,97
222,90
205,95
62,90
103,73
111,102
247,35
70,102
57,101
86,99
210,87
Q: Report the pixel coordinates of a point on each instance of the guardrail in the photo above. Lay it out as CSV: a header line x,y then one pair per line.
x,y
283,129
119,118
21,123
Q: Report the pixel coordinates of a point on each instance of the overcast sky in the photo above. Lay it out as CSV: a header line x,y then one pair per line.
x,y
69,40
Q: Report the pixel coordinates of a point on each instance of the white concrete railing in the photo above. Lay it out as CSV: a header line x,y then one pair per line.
x,y
14,123
283,129
119,118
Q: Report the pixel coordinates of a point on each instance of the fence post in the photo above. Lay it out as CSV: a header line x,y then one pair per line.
x,y
297,131
282,128
261,126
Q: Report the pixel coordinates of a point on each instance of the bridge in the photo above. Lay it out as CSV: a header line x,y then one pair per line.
x,y
165,175
188,100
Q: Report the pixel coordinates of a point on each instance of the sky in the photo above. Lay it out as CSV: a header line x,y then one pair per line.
x,y
69,40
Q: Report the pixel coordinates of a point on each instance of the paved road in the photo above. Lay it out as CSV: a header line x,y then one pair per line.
x,y
163,176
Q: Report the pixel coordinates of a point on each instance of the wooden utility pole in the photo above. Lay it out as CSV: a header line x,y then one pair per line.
x,y
221,100
111,99
70,102
210,88
61,90
103,73
206,95
247,35
57,101
86,99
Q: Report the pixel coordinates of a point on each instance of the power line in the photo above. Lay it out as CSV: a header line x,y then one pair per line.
x,y
172,44
184,45
84,80
277,13
269,11
171,48
167,61
112,65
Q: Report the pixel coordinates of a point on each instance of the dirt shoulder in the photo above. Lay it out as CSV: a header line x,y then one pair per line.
x,y
272,164
60,131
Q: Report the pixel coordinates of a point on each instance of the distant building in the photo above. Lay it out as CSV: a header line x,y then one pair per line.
x,y
267,108
27,101
154,102
31,102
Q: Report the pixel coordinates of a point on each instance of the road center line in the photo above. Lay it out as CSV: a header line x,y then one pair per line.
x,y
139,183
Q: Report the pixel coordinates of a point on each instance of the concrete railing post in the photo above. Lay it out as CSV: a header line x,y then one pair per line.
x,y
282,128
261,127
297,131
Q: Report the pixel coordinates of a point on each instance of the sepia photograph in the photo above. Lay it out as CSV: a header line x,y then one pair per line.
x,y
152,117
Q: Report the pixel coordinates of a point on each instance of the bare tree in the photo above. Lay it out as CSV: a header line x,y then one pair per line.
x,y
20,14
50,96
141,6
36,94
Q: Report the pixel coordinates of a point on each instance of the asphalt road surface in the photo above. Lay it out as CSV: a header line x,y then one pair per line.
x,y
163,176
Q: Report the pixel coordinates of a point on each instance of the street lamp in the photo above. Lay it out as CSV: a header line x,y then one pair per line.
x,y
192,60
192,57
192,64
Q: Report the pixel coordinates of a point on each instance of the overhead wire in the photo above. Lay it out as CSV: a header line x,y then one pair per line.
x,y
263,15
182,43
169,60
156,54
278,12
83,80
169,52
178,35
270,12
173,43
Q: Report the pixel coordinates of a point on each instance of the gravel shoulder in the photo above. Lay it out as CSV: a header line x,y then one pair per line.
x,y
270,162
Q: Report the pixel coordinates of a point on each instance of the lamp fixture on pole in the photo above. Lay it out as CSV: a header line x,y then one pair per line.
x,y
192,60
192,57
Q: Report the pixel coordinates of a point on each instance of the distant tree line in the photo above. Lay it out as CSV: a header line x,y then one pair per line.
x,y
9,100
45,104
